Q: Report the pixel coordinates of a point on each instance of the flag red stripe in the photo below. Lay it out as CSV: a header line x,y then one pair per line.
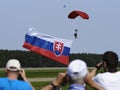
x,y
47,53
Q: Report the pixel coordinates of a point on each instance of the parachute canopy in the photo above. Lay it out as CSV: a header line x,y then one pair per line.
x,y
76,13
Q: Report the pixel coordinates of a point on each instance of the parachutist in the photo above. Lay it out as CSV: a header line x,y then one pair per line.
x,y
64,6
75,34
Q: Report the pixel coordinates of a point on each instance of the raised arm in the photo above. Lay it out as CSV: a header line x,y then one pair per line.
x,y
56,83
90,82
97,67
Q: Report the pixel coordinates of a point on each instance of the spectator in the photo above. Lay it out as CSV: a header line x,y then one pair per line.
x,y
13,74
76,76
110,78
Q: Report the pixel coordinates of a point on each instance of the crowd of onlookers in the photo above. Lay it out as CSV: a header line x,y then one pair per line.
x,y
77,76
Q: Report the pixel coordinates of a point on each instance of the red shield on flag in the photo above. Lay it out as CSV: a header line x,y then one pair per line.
x,y
58,48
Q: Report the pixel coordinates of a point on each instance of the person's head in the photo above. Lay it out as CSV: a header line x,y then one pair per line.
x,y
77,71
13,67
110,61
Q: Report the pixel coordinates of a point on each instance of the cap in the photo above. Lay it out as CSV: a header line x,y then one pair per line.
x,y
13,65
77,66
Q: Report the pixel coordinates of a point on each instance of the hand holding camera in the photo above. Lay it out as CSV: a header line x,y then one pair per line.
x,y
99,65
22,75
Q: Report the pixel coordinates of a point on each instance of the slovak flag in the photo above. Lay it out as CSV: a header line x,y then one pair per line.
x,y
52,47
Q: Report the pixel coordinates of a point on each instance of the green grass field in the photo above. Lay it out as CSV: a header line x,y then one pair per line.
x,y
39,73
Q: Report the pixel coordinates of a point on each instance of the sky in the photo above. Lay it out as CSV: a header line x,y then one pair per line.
x,y
100,33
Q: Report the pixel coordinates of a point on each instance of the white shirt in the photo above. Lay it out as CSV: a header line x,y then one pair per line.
x,y
109,81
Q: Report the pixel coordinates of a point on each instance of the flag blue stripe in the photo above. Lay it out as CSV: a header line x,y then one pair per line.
x,y
35,41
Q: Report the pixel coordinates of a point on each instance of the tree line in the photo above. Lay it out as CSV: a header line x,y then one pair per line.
x,y
31,59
